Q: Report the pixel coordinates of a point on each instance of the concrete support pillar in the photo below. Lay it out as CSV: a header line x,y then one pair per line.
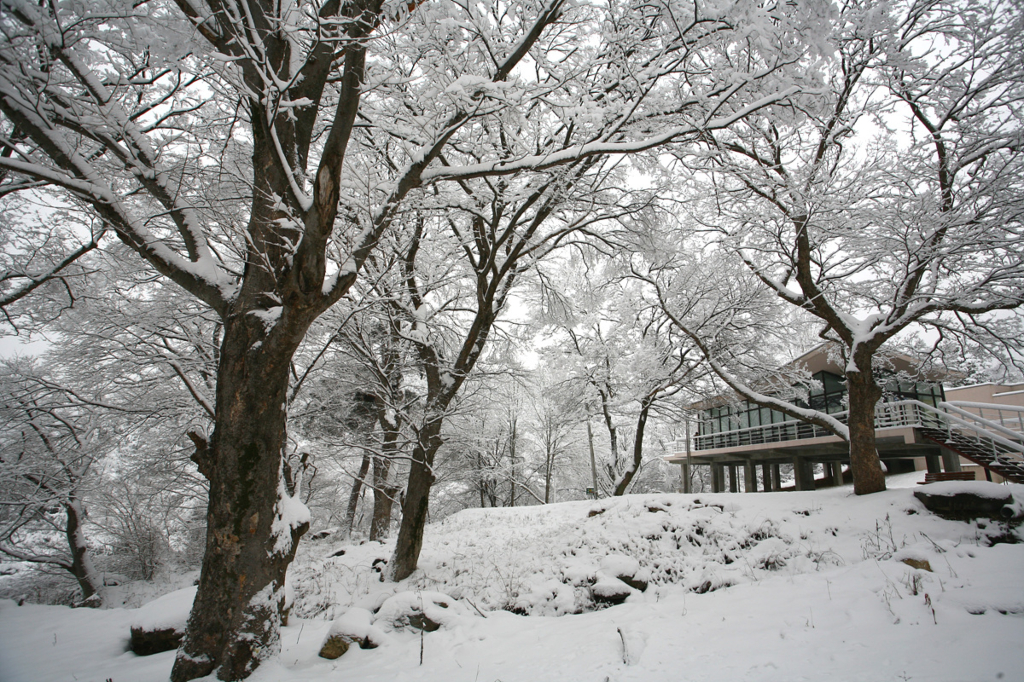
x,y
733,483
837,473
776,477
749,477
685,469
950,460
933,463
803,472
798,474
717,476
766,474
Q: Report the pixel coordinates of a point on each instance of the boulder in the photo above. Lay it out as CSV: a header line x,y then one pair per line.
x,y
919,564
149,642
627,569
423,610
352,628
160,625
965,500
610,590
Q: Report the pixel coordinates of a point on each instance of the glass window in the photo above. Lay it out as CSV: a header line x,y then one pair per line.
x,y
753,415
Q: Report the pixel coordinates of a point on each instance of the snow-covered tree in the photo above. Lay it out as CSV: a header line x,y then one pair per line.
x,y
43,254
625,362
890,200
51,439
219,142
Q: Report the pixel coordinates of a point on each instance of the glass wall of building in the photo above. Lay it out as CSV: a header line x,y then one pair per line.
x,y
829,396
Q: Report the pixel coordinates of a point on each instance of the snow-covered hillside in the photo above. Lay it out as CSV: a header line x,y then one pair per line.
x,y
784,586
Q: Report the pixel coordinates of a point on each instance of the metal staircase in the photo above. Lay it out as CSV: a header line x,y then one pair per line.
x,y
986,443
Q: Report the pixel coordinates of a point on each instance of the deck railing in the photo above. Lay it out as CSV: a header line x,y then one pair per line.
x,y
904,413
887,415
1009,417
768,433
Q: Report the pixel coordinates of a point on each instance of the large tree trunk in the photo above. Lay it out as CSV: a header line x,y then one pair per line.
x,y
865,465
416,504
81,563
253,527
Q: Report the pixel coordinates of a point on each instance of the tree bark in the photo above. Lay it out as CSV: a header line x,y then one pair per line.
x,y
252,530
416,504
638,450
383,492
593,459
81,563
512,436
548,465
353,496
865,465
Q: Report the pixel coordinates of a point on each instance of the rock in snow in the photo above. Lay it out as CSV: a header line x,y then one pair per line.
x,y
965,500
354,627
160,625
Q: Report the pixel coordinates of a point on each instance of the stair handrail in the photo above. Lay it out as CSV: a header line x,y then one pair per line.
x,y
999,408
988,424
978,433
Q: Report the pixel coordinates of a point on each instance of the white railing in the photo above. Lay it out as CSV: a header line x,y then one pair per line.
x,y
1004,450
1007,416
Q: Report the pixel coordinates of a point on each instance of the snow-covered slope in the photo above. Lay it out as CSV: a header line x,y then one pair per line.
x,y
782,586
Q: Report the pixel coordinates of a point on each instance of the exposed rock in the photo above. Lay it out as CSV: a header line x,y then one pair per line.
x,y
920,564
354,627
160,625
423,610
423,622
627,569
609,590
149,642
637,582
335,645
962,500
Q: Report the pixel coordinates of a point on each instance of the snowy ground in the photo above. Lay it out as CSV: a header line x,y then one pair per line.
x,y
784,586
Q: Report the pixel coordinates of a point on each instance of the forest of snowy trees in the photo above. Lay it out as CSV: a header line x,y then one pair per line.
x,y
355,265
